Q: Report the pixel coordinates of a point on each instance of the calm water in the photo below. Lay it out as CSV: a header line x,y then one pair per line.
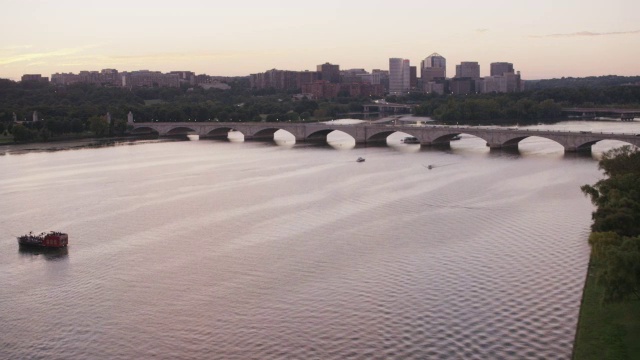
x,y
236,250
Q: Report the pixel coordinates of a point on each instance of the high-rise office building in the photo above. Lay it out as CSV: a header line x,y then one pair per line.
x,y
468,69
413,77
399,76
432,67
500,68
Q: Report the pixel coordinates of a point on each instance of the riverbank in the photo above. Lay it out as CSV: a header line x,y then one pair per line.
x,y
77,143
606,331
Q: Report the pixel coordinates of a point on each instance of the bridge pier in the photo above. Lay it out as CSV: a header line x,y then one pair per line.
x,y
627,117
500,146
574,149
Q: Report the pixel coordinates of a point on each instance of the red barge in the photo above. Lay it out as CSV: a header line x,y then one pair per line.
x,y
52,239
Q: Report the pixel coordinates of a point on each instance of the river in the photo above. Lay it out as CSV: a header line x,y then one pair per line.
x,y
248,250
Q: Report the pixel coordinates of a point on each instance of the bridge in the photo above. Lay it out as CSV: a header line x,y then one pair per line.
x,y
625,114
365,133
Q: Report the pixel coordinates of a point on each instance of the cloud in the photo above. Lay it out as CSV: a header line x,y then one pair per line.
x,y
175,56
587,34
481,30
13,48
39,56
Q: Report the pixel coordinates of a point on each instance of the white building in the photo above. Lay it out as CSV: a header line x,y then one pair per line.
x,y
399,76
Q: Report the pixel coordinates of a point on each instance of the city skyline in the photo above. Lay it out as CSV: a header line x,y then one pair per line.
x,y
545,39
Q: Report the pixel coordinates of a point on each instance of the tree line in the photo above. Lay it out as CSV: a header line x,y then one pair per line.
x,y
527,107
615,237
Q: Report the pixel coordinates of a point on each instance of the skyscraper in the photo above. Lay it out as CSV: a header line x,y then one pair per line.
x,y
432,67
468,69
399,76
500,68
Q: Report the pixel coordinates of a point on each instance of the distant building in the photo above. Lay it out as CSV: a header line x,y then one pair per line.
x,y
352,75
110,77
146,78
430,74
437,86
282,79
384,78
34,78
399,76
468,69
362,89
503,79
462,85
306,77
322,89
500,68
185,77
432,67
65,79
329,72
413,77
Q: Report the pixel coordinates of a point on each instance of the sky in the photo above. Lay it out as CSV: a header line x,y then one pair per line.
x,y
542,38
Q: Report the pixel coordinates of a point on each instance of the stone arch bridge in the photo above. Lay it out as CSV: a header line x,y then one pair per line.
x,y
365,133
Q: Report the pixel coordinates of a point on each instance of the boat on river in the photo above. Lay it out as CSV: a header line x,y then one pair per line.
x,y
411,140
52,239
360,159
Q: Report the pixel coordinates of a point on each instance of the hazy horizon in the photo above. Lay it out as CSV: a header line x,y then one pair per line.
x,y
543,40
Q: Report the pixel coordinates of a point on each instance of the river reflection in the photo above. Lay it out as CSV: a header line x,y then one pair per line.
x,y
236,250
52,254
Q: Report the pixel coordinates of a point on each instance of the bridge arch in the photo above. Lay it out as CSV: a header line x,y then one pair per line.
x,y
265,132
219,132
320,135
381,136
145,130
587,146
513,142
446,136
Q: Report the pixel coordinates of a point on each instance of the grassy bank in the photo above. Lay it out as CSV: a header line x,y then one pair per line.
x,y
606,331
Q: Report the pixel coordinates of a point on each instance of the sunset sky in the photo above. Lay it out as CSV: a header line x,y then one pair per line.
x,y
542,38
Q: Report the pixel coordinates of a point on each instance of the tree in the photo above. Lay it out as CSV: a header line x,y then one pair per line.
x,y
22,134
99,126
618,260
615,240
292,116
119,127
620,161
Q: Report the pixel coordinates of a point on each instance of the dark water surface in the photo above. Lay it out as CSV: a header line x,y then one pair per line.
x,y
231,250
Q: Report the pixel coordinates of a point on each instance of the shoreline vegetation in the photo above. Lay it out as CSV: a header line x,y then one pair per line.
x,y
609,321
